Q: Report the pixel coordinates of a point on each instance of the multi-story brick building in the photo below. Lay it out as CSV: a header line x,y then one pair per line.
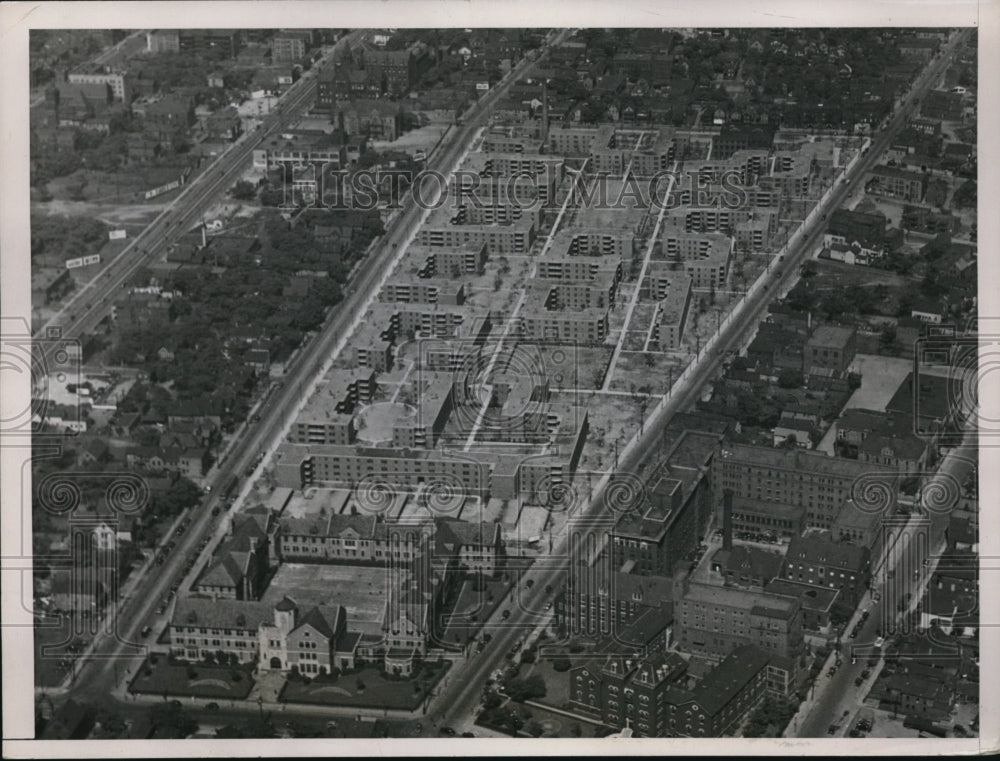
x,y
375,119
425,291
291,45
712,621
816,558
830,347
205,41
599,602
584,326
672,312
282,637
587,268
467,259
328,417
514,238
766,517
575,294
647,696
239,566
395,70
751,137
116,81
897,183
659,533
345,538
813,480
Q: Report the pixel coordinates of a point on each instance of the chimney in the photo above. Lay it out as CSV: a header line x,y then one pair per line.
x,y
727,519
204,235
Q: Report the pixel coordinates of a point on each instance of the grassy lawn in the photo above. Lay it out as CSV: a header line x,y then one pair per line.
x,y
197,680
377,691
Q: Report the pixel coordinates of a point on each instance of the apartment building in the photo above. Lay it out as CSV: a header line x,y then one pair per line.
x,y
463,259
425,291
584,326
299,466
818,559
705,256
672,312
813,480
574,295
514,238
328,417
648,694
580,268
712,621
897,183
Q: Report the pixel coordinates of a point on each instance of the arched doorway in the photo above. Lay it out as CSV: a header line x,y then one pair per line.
x,y
276,663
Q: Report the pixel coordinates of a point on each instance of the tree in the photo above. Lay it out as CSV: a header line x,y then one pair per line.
x,y
244,191
520,690
790,378
170,721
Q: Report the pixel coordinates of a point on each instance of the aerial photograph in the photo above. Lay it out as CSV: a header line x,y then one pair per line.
x,y
502,383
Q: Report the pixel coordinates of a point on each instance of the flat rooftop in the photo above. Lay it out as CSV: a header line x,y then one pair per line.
x,y
362,590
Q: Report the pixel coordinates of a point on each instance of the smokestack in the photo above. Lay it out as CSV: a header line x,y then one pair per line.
x,y
727,519
204,235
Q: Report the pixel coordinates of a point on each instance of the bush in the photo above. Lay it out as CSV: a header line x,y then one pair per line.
x,y
192,673
561,664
